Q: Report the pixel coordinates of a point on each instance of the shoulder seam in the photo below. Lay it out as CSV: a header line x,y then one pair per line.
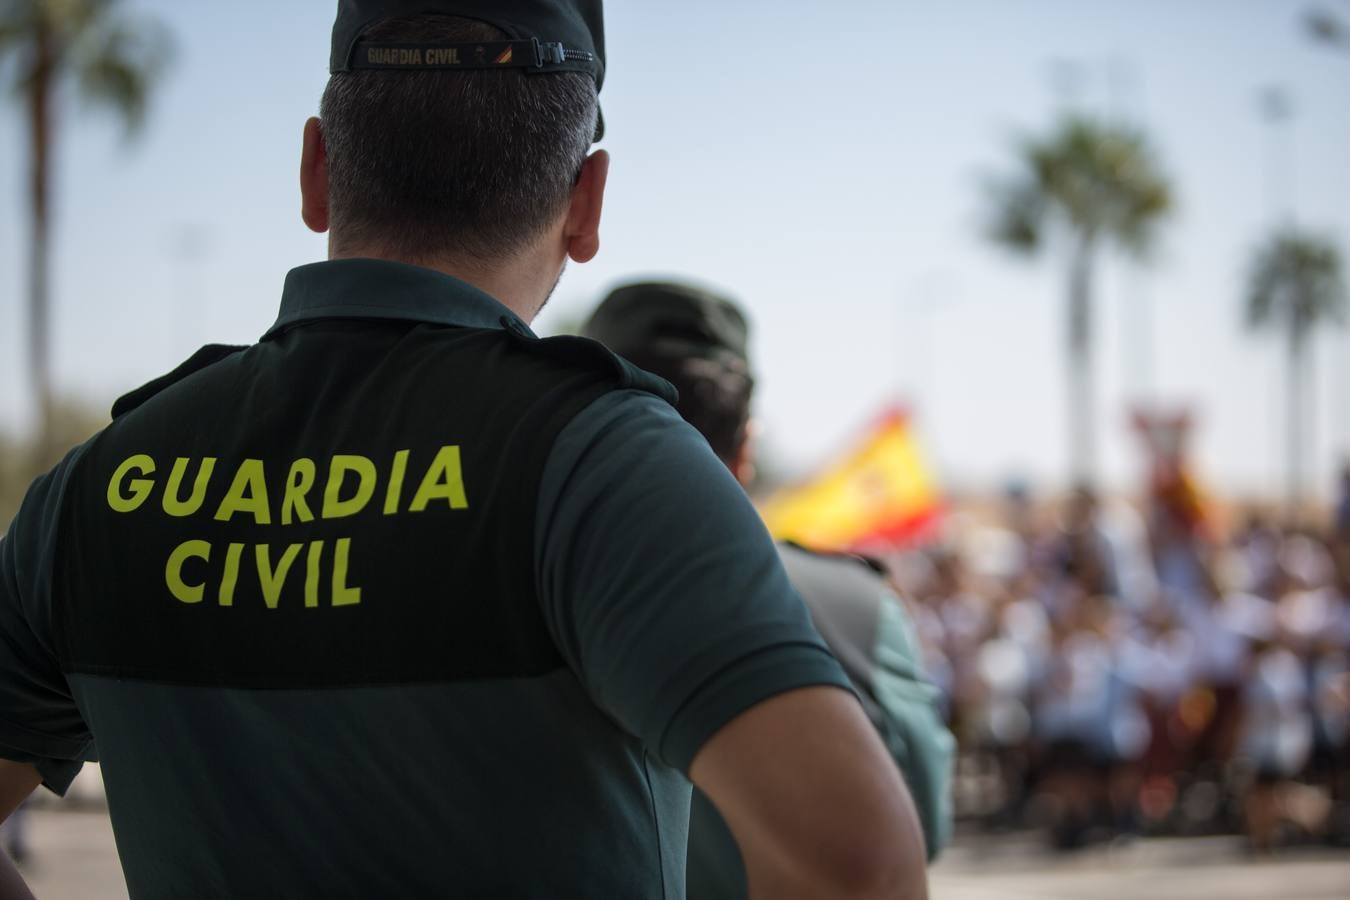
x,y
582,351
206,356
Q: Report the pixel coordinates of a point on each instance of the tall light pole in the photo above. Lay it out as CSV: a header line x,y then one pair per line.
x,y
1119,99
1333,32
1123,105
1277,112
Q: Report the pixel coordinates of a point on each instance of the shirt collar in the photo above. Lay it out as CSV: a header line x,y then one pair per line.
x,y
381,289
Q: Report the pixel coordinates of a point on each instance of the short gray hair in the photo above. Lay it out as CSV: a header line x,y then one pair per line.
x,y
468,164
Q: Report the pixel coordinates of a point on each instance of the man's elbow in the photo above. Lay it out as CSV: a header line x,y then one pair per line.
x,y
891,866
861,862
885,852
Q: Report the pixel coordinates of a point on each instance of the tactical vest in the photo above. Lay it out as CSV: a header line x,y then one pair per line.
x,y
345,503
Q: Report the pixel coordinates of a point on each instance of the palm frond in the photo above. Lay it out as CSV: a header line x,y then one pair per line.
x,y
18,22
1099,180
1296,282
1016,216
116,66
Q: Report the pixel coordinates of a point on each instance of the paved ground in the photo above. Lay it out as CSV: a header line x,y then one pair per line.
x,y
1018,868
74,859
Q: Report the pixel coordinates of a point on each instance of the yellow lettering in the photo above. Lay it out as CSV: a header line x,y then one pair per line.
x,y
395,489
250,476
173,570
335,508
231,576
175,507
312,573
298,483
273,579
140,487
443,481
343,595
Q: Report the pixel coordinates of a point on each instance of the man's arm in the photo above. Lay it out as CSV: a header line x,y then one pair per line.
x,y
42,735
814,801
17,781
666,596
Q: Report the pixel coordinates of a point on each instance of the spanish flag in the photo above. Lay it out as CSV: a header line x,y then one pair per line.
x,y
878,497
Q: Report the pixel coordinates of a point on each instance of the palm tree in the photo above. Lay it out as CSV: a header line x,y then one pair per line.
x,y
1328,28
113,60
1084,186
1295,285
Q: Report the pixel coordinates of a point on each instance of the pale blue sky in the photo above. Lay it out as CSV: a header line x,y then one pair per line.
x,y
820,161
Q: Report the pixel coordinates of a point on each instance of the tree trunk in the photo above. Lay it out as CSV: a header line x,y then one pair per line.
x,y
1082,405
1294,419
39,263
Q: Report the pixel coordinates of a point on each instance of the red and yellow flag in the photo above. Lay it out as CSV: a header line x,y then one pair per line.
x,y
879,496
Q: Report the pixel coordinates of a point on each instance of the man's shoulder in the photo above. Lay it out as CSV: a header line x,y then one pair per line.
x,y
203,359
583,353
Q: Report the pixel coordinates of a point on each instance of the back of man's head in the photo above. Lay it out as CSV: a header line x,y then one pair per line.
x,y
693,338
436,154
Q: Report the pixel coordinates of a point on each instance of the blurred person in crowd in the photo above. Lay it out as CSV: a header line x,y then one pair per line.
x,y
697,340
1221,622
532,605
1315,621
1012,662
1088,722
1305,561
1277,730
965,620
1334,695
1019,515
1081,557
1159,658
938,667
1181,552
1258,546
1330,698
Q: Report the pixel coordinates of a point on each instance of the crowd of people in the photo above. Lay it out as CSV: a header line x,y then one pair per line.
x,y
1111,671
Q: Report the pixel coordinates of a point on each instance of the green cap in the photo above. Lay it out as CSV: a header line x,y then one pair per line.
x,y
673,320
543,36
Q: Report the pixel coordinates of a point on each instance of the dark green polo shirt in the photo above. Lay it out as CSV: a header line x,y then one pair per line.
x,y
661,598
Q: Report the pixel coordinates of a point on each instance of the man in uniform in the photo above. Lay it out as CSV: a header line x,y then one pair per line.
x,y
696,340
404,601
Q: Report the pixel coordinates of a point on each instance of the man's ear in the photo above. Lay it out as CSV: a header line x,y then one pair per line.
x,y
314,178
582,227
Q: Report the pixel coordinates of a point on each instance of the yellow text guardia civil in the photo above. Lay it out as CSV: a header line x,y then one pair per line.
x,y
349,486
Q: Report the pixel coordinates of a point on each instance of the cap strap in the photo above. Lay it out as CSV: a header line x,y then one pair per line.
x,y
531,54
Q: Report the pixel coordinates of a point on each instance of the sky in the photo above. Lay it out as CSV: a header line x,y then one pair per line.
x,y
823,163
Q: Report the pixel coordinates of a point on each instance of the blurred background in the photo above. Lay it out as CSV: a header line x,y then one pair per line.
x,y
1048,306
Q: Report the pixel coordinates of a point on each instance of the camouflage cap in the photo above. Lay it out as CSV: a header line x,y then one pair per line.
x,y
543,36
673,320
